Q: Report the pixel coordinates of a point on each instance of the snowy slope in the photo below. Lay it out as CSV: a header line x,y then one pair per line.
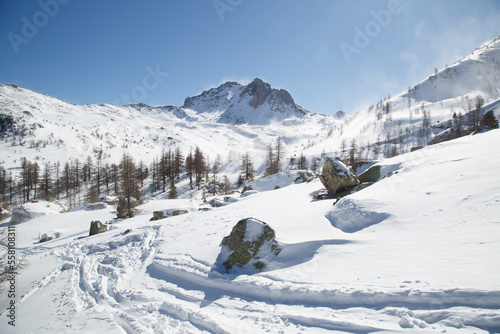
x,y
57,131
426,260
449,91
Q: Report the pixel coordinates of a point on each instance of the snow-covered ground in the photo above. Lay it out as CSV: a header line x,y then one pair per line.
x,y
416,252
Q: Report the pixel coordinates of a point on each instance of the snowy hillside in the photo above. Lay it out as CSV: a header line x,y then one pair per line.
x,y
423,260
424,111
49,130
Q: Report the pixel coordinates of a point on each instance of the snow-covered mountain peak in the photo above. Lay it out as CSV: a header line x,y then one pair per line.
x,y
256,103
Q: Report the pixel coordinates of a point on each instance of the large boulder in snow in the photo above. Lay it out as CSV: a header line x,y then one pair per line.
x,y
97,227
250,243
20,215
36,209
336,176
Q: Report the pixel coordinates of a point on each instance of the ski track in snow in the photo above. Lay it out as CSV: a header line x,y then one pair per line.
x,y
143,291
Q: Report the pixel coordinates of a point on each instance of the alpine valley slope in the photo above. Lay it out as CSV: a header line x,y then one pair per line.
x,y
398,122
424,261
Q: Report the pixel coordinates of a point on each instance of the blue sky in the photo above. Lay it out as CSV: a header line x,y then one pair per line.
x,y
159,52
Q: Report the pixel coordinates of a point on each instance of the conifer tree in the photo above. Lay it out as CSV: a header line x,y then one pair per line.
x,y
47,182
279,155
199,166
352,152
314,166
177,162
270,161
302,164
190,168
247,170
3,184
173,190
489,120
226,185
129,184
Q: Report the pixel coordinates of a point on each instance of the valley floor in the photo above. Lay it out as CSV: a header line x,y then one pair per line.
x,y
418,252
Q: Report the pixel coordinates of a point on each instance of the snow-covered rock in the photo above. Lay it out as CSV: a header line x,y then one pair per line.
x,y
336,176
20,215
96,206
248,244
350,216
35,209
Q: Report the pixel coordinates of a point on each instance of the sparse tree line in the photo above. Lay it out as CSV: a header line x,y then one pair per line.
x,y
399,141
87,181
80,182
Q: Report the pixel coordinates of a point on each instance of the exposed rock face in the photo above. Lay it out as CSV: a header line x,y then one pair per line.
x,y
260,90
97,227
208,94
249,242
157,215
305,176
340,114
179,212
336,176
